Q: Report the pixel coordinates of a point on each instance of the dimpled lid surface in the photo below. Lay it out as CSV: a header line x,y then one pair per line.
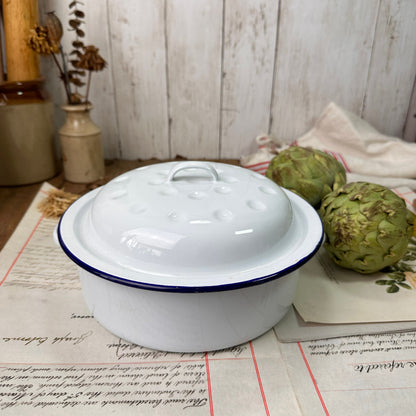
x,y
180,217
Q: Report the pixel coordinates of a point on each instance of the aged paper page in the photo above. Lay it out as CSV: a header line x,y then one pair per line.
x,y
330,294
292,328
369,375
55,359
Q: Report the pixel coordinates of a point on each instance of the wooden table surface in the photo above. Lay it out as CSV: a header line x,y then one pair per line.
x,y
15,200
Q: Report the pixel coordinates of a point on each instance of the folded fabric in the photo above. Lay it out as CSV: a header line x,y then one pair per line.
x,y
391,183
366,154
267,149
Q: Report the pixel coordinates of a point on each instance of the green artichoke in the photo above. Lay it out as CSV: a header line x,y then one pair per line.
x,y
310,173
367,226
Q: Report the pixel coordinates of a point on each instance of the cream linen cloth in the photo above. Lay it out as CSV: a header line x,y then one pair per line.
x,y
267,149
366,154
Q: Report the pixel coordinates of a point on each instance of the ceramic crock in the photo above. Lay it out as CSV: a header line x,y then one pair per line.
x,y
27,140
189,256
81,145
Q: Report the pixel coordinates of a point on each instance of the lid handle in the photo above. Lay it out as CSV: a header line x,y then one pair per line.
x,y
193,165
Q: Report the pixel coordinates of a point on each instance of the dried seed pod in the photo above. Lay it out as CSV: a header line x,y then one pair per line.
x,y
77,82
54,27
75,23
79,13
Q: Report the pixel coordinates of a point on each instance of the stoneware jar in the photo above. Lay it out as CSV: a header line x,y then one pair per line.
x,y
81,145
27,142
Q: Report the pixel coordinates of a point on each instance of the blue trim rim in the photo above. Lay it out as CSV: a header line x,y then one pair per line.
x,y
184,289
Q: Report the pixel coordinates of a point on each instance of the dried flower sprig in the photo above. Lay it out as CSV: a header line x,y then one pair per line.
x,y
91,60
40,41
56,32
46,40
43,43
76,23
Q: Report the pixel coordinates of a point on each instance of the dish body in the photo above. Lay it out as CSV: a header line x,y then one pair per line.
x,y
189,256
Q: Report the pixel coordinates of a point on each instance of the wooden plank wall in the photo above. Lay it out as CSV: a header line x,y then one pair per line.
x,y
202,78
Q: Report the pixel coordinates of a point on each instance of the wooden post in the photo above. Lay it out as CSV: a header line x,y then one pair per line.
x,y
27,151
19,17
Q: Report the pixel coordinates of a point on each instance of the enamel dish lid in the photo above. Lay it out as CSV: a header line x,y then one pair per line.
x,y
190,226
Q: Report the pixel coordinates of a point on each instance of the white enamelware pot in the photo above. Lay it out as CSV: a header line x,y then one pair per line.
x,y
189,256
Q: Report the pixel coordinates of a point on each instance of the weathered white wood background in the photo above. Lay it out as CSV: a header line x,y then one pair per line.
x,y
202,78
